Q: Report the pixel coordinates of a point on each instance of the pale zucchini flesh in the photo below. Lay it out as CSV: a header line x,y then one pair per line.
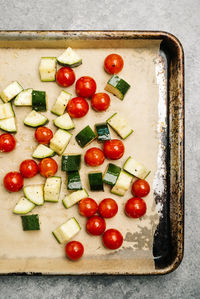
x,y
47,69
23,206
69,58
64,122
122,184
8,125
136,168
35,193
61,103
60,141
42,151
35,119
6,111
24,98
67,230
52,189
11,91
120,125
74,197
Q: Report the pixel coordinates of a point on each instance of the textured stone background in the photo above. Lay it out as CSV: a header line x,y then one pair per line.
x,y
182,18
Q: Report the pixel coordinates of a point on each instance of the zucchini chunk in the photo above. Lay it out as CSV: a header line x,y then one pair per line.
x,y
111,174
11,91
120,125
85,136
6,111
96,181
30,222
117,86
67,230
52,189
103,133
42,151
47,69
24,98
74,180
39,100
23,206
74,197
136,168
35,193
60,141
8,125
71,162
61,103
69,58
122,184
35,119
64,122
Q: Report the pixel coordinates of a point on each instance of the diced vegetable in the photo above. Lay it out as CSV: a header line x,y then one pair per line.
x,y
23,206
24,98
52,189
67,230
6,111
111,174
123,183
64,122
85,136
60,141
69,58
71,162
136,168
39,102
61,103
42,151
30,222
117,86
120,125
47,69
35,119
11,91
73,198
103,133
74,180
35,193
8,125
95,181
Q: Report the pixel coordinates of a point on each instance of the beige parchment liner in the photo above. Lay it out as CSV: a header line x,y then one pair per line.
x,y
38,251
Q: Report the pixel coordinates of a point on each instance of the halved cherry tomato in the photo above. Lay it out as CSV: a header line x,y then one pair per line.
x,y
100,101
94,156
135,207
113,149
65,76
112,238
85,87
7,142
108,208
77,107
43,135
28,168
87,207
140,188
74,250
113,64
96,225
48,167
13,181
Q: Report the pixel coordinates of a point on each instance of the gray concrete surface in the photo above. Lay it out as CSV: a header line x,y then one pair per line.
x,y
182,18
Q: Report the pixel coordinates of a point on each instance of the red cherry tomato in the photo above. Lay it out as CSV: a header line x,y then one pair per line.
x,y
94,156
113,64
112,238
65,76
13,181
96,225
28,168
113,149
135,207
77,107
85,87
108,208
100,101
74,250
48,167
7,142
87,207
140,188
43,135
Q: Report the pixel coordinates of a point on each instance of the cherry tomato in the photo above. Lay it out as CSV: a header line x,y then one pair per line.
x,y
95,225
94,156
87,207
100,101
85,87
13,181
113,64
65,76
77,107
108,208
112,238
48,167
7,142
140,188
74,250
28,168
135,207
113,149
43,135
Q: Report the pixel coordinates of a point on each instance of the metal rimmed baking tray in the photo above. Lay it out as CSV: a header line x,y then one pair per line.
x,y
168,239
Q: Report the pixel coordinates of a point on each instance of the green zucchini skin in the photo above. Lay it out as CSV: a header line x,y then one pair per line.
x,y
71,162
103,133
85,136
96,181
117,86
39,100
30,222
74,180
111,174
